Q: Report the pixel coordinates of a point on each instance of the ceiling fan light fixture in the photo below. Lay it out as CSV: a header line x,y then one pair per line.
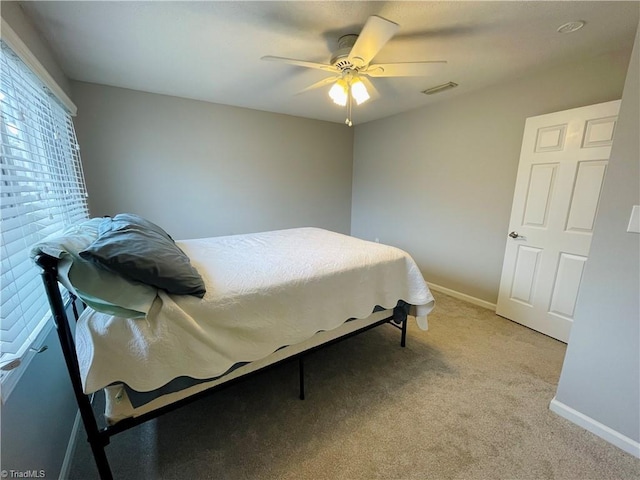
x,y
339,92
359,91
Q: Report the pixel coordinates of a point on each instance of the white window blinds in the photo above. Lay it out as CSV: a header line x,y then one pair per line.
x,y
42,191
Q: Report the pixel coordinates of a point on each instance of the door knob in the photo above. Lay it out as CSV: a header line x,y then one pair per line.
x,y
514,235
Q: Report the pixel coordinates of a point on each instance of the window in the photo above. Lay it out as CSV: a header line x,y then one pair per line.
x,y
42,191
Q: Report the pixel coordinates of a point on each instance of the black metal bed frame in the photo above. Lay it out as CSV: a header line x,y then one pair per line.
x,y
99,438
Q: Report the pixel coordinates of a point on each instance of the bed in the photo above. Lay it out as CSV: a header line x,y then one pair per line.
x,y
169,321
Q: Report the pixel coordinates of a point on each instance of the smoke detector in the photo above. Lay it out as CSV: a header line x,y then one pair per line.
x,y
571,27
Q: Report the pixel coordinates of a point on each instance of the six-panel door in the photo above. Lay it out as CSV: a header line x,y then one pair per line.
x,y
563,163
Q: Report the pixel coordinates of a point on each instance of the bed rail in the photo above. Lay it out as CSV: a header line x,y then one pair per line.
x,y
98,437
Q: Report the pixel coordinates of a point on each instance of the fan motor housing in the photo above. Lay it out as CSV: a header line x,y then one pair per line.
x,y
340,57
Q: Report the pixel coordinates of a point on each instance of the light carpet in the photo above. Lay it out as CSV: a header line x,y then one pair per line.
x,y
469,399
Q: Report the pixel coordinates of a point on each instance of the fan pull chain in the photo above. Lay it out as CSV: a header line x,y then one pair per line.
x,y
349,102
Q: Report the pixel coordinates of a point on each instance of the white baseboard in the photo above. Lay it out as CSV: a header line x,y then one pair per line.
x,y
616,438
71,448
462,296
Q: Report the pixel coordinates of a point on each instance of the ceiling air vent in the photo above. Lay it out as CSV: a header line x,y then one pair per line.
x,y
440,88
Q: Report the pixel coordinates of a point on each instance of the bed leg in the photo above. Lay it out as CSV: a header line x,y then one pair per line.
x,y
96,440
400,313
301,372
403,338
101,460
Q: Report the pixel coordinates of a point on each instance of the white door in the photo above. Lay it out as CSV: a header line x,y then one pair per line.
x,y
563,162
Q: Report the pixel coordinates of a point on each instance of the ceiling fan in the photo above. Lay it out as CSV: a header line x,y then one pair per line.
x,y
351,64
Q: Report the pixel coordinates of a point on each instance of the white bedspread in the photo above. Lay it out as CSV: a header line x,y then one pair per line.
x,y
264,291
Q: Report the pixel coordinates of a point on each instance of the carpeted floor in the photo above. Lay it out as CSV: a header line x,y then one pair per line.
x,y
466,400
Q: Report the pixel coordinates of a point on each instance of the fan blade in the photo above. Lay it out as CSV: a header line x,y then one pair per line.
x,y
375,34
321,83
411,69
302,63
373,93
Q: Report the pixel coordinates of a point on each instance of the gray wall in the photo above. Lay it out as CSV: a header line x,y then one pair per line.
x,y
439,181
200,169
21,24
37,418
601,372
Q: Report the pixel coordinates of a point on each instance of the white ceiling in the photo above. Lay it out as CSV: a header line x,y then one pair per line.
x,y
211,50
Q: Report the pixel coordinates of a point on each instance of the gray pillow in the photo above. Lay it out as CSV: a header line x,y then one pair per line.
x,y
142,251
